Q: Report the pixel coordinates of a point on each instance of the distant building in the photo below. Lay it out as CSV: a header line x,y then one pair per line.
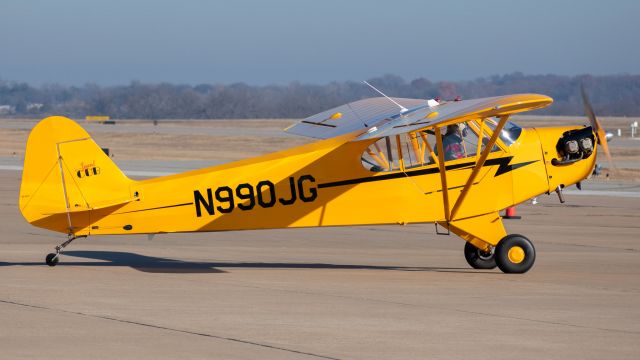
x,y
7,109
34,107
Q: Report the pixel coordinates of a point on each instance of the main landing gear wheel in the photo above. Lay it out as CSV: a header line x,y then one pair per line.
x,y
479,259
52,259
515,254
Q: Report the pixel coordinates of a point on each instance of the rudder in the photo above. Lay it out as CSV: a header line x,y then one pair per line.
x,y
66,175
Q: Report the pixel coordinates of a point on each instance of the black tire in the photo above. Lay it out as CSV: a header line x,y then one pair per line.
x,y
477,258
52,259
521,260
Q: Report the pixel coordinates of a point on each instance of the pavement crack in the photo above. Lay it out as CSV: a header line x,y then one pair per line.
x,y
587,246
544,321
556,323
160,327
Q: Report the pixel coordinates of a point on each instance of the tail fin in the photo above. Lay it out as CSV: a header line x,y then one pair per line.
x,y
66,175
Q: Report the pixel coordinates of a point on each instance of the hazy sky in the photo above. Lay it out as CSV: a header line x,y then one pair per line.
x,y
278,41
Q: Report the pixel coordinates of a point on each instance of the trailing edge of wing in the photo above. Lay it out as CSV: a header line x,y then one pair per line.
x,y
378,117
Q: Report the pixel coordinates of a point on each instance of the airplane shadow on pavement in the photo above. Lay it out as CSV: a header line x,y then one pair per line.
x,y
152,264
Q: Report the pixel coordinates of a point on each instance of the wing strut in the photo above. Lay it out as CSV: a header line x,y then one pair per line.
x,y
443,174
427,147
479,164
480,137
417,150
399,150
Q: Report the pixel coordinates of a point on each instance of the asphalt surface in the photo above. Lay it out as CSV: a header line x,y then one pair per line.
x,y
393,292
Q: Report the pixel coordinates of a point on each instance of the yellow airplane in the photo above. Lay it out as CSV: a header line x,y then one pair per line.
x,y
378,161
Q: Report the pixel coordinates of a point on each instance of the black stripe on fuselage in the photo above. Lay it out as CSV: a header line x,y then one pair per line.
x,y
397,175
504,167
451,188
157,208
503,162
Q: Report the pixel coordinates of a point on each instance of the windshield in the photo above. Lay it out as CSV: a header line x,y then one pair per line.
x,y
510,133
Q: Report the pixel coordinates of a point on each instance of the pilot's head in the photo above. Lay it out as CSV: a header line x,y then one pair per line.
x,y
458,129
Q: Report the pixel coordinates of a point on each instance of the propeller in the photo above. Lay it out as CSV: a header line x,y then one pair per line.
x,y
597,127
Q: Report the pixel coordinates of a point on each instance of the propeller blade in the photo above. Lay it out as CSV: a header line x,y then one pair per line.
x,y
597,127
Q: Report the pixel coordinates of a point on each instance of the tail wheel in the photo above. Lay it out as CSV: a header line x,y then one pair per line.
x,y
479,259
515,254
52,259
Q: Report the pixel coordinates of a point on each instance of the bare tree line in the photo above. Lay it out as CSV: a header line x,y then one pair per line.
x,y
613,95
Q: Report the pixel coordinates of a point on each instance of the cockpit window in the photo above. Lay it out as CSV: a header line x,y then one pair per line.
x,y
412,150
510,132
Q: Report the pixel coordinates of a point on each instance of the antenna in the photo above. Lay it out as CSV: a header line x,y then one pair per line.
x,y
402,108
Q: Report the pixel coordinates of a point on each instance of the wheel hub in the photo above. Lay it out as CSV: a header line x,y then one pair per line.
x,y
485,255
516,254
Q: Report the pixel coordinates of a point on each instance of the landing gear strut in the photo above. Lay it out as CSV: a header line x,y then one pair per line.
x,y
52,259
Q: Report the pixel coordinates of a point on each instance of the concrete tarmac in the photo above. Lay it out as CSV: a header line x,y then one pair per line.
x,y
372,292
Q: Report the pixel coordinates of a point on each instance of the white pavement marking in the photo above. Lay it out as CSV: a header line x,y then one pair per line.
x,y
11,167
632,194
127,172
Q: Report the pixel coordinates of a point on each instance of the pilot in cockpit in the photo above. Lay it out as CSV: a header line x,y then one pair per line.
x,y
452,142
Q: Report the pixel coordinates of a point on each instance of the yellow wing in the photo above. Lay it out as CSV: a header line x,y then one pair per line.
x,y
379,117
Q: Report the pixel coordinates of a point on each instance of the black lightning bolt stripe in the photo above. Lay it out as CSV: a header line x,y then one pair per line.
x,y
504,167
397,175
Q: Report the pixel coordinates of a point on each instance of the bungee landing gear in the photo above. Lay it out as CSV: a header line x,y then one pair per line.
x,y
52,259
